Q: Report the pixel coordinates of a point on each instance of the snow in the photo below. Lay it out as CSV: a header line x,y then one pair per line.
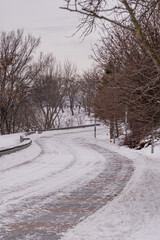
x,y
135,213
9,140
57,160
65,119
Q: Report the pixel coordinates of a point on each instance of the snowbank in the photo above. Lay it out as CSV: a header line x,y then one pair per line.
x,y
9,140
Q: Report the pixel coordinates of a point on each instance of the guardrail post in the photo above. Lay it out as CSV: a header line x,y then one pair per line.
x,y
21,139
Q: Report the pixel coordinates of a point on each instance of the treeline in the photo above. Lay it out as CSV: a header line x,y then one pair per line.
x,y
128,81
33,89
123,89
127,61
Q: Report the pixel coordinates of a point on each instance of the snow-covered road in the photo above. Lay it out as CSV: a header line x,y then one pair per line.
x,y
60,180
135,213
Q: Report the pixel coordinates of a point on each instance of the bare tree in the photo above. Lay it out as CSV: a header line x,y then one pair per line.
x,y
17,73
16,54
88,86
132,15
71,83
48,95
137,83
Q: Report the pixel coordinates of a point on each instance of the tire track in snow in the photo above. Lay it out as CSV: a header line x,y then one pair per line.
x,y
17,191
53,214
8,194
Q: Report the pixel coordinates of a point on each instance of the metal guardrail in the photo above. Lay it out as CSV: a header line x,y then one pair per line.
x,y
16,148
67,128
24,138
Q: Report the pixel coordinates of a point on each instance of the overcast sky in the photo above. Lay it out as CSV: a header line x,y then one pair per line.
x,y
55,26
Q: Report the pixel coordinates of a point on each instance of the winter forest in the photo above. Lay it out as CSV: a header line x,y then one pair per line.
x,y
122,90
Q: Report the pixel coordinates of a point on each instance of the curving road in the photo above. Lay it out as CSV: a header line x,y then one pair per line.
x,y
56,183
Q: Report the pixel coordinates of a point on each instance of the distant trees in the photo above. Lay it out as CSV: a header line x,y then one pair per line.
x,y
32,93
48,95
71,81
88,87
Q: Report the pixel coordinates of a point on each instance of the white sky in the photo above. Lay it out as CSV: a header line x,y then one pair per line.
x,y
55,26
